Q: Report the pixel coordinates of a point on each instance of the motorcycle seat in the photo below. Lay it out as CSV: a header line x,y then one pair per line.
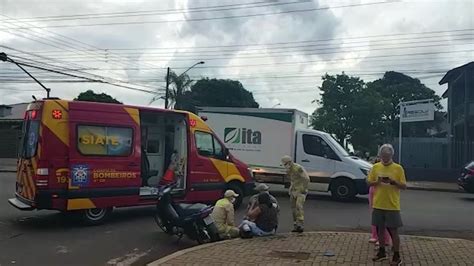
x,y
184,209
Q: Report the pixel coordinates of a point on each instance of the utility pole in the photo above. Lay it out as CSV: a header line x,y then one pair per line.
x,y
167,94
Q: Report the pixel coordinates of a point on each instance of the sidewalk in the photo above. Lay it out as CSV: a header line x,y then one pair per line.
x,y
7,165
321,248
434,186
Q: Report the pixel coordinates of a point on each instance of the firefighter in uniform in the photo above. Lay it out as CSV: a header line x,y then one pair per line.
x,y
298,189
223,215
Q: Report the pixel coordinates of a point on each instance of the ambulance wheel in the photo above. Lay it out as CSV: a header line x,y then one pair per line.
x,y
343,189
95,216
237,188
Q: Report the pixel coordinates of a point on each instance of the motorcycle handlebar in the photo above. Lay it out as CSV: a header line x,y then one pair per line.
x,y
169,187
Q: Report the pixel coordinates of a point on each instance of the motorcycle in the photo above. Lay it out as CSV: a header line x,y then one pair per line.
x,y
193,220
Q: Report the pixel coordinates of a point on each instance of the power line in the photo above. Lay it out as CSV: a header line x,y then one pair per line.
x,y
316,61
82,77
79,71
48,42
186,54
6,80
280,75
44,57
298,42
86,73
303,62
306,61
416,58
320,61
10,89
43,63
215,18
458,32
410,40
295,53
68,41
158,12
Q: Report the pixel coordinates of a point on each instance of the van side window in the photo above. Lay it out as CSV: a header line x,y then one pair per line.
x,y
207,145
105,141
315,145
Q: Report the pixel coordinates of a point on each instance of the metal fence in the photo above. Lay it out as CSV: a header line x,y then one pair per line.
x,y
462,153
434,159
423,152
434,153
9,142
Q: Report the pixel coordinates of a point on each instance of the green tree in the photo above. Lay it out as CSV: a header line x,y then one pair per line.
x,y
397,87
179,85
91,96
348,110
221,93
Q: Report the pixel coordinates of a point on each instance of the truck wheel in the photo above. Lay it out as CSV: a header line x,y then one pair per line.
x,y
95,216
237,188
343,189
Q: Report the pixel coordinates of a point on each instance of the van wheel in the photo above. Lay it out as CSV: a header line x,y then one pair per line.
x,y
237,188
95,216
343,189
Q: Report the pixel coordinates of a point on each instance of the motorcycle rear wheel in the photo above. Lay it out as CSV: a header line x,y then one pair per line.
x,y
202,235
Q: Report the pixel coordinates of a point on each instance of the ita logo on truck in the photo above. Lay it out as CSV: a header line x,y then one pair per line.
x,y
242,136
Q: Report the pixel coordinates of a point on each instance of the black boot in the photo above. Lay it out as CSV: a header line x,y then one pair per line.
x,y
381,255
298,229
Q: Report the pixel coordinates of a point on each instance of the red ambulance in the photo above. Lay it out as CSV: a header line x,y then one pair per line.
x,y
91,157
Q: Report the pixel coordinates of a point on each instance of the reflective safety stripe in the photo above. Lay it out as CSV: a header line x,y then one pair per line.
x,y
134,114
222,202
80,204
59,127
227,170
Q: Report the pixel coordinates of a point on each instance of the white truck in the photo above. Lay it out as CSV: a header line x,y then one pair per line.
x,y
260,137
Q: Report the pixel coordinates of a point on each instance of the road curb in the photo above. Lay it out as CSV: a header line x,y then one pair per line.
x,y
7,171
185,251
436,189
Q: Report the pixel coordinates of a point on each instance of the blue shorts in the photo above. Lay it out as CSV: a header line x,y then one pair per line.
x,y
255,229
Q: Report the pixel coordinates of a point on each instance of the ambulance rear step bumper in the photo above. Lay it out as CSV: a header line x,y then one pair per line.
x,y
20,205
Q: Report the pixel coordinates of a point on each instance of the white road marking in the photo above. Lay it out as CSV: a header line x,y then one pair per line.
x,y
129,258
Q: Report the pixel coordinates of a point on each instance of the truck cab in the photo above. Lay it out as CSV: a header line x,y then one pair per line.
x,y
330,166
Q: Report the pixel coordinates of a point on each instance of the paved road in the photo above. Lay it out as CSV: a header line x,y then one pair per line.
x,y
48,238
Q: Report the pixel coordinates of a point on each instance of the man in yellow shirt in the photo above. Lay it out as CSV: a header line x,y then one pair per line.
x,y
388,178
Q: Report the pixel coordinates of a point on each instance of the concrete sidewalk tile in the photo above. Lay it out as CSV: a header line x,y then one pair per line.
x,y
310,248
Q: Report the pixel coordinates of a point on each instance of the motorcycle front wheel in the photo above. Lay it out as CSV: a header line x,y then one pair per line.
x,y
162,224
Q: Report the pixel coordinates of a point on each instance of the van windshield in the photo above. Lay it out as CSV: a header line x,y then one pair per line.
x,y
337,146
29,139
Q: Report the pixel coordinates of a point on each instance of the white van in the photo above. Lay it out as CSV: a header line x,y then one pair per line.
x,y
260,137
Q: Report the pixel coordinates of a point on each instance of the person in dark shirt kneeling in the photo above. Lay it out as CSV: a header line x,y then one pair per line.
x,y
262,218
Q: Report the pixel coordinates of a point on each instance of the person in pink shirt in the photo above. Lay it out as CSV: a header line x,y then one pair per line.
x,y
374,238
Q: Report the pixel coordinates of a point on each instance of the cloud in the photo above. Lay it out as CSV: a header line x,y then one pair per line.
x,y
286,73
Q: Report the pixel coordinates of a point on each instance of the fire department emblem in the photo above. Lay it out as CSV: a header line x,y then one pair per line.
x,y
80,175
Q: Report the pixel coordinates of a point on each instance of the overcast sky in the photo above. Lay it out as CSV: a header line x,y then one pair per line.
x,y
278,49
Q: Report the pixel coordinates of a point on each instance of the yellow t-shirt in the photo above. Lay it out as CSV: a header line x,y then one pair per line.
x,y
386,196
